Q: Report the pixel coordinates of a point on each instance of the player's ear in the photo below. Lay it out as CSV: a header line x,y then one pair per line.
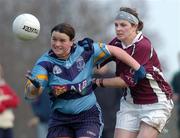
x,y
72,42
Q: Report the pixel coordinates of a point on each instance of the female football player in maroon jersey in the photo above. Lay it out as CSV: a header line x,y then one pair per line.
x,y
146,105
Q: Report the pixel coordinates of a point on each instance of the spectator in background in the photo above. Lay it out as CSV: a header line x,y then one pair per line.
x,y
41,110
176,97
8,101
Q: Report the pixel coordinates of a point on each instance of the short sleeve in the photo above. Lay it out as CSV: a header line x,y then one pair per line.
x,y
101,53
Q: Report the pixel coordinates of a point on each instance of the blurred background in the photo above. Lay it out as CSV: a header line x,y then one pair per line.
x,y
92,18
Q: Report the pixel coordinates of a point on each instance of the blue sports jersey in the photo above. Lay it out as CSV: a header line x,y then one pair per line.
x,y
70,81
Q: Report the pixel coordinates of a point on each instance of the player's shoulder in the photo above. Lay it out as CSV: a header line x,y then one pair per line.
x,y
86,43
99,44
145,40
44,57
44,60
144,43
114,41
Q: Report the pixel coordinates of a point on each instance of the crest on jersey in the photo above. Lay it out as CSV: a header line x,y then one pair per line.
x,y
56,70
80,63
58,90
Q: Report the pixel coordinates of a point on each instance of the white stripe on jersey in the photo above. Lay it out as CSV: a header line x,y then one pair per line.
x,y
156,89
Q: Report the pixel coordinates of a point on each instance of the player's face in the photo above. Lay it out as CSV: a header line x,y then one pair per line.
x,y
61,44
124,30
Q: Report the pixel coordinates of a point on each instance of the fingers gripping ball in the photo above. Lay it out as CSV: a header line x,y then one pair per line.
x,y
26,27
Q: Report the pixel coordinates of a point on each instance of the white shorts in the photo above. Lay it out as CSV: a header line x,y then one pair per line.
x,y
130,115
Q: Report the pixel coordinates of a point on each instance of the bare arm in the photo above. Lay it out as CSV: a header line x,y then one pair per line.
x,y
118,82
123,56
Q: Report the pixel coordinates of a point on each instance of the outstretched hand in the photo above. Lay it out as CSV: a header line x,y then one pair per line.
x,y
139,74
34,81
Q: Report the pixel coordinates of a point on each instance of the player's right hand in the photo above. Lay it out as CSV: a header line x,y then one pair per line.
x,y
33,80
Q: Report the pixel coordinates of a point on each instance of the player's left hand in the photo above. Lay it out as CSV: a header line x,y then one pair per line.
x,y
139,74
34,81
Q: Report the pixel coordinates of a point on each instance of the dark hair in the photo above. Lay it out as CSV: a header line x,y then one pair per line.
x,y
133,12
64,28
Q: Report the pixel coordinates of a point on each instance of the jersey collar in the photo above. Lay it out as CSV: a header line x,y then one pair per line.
x,y
138,37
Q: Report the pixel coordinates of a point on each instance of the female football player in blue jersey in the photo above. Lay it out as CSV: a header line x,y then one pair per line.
x,y
146,105
66,71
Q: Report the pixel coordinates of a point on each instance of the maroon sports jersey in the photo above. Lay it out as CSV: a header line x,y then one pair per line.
x,y
154,87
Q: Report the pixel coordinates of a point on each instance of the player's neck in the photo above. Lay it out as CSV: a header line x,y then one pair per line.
x,y
128,41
